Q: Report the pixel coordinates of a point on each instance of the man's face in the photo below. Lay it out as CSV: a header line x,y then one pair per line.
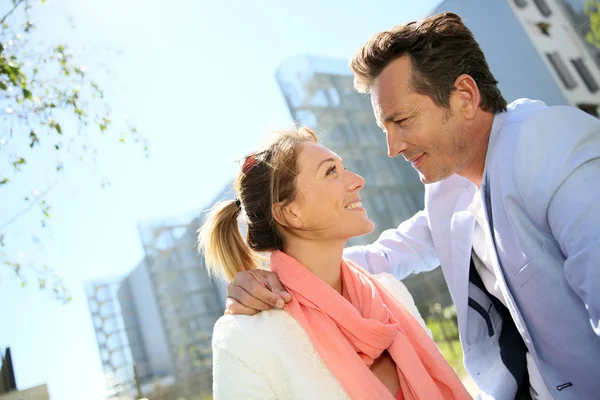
x,y
433,139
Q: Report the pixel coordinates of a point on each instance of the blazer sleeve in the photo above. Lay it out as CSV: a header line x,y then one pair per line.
x,y
559,174
236,364
401,251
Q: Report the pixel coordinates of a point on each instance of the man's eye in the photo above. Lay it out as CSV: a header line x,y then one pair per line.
x,y
332,170
400,121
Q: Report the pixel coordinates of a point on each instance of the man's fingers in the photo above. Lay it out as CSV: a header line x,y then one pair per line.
x,y
233,307
275,285
258,287
246,299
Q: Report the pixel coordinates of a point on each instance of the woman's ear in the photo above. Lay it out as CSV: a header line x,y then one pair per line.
x,y
287,215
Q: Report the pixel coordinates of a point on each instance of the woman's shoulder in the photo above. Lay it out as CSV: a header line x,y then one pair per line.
x,y
240,330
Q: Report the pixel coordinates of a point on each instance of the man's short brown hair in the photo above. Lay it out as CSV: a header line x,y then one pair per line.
x,y
441,48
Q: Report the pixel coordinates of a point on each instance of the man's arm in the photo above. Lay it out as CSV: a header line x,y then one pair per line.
x,y
402,251
574,217
571,176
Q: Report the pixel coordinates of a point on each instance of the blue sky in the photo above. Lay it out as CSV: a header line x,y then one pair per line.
x,y
197,78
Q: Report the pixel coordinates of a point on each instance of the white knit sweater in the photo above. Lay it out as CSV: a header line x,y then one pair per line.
x,y
270,356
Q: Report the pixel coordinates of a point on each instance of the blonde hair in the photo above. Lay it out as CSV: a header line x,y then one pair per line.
x,y
267,177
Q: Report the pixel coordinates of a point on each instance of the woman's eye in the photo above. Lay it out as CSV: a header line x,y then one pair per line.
x,y
332,170
400,121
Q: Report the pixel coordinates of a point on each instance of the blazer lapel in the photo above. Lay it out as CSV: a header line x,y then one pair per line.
x,y
461,239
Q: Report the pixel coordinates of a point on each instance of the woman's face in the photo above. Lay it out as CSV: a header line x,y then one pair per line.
x,y
327,204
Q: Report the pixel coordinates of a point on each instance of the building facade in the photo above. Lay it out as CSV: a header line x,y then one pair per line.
x,y
8,382
154,325
111,337
189,302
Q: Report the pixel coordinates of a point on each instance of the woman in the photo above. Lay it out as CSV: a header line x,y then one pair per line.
x,y
344,334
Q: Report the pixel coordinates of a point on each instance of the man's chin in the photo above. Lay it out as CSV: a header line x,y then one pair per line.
x,y
429,179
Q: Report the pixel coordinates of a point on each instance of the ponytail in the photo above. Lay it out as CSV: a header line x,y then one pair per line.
x,y
225,251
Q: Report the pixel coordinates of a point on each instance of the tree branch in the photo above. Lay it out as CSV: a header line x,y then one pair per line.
x,y
17,4
29,207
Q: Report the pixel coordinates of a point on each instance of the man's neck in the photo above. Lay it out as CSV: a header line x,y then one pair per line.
x,y
323,259
474,170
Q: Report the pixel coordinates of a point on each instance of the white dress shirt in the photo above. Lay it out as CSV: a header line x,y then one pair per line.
x,y
483,248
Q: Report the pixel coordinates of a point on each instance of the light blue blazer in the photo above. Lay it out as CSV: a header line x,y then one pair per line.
x,y
542,194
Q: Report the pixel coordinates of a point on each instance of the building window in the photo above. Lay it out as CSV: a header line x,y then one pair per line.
x,y
561,69
591,109
543,7
586,75
521,3
544,28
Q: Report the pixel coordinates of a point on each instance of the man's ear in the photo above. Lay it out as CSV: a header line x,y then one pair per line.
x,y
287,215
467,96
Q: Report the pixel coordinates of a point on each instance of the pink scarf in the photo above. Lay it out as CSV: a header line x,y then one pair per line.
x,y
350,335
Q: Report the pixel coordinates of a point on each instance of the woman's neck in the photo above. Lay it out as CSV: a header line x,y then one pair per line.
x,y
323,259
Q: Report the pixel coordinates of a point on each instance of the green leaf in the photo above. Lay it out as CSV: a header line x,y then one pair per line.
x,y
34,139
19,161
27,94
3,181
55,125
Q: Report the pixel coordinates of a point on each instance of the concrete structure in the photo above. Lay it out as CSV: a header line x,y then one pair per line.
x,y
35,393
141,318
188,301
111,336
154,326
580,21
8,383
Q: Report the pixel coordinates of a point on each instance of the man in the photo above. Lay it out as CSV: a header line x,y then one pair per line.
x,y
512,212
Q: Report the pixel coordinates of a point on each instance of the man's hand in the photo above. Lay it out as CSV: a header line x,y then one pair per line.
x,y
253,291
